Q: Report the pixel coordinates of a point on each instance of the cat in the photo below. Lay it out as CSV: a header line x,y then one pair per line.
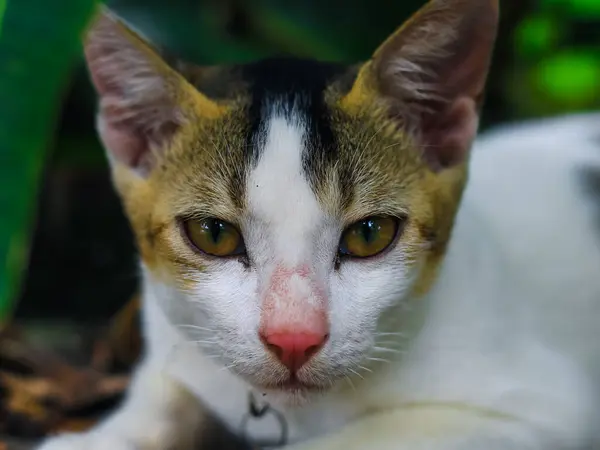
x,y
330,247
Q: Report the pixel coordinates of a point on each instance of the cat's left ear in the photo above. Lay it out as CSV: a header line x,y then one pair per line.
x,y
431,75
144,102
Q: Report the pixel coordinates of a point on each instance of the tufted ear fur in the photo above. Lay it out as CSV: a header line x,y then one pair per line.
x,y
431,76
143,101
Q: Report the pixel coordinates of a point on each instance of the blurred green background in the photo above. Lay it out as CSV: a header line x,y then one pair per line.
x,y
65,247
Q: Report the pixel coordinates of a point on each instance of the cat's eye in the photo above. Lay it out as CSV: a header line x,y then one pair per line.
x,y
214,237
368,237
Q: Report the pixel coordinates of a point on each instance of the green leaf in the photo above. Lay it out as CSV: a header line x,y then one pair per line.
x,y
37,53
571,78
581,8
586,8
289,34
172,27
2,9
537,35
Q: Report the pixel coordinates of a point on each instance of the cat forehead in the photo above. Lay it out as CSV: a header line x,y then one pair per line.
x,y
290,136
290,89
289,149
278,186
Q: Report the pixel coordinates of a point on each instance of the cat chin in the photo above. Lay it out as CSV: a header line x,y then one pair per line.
x,y
290,392
292,387
292,397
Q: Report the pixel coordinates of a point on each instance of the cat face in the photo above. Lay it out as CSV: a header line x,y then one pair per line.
x,y
288,212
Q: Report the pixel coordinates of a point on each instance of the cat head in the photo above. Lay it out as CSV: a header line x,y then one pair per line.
x,y
288,211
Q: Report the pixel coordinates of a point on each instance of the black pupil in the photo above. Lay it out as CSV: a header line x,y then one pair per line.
x,y
369,230
216,228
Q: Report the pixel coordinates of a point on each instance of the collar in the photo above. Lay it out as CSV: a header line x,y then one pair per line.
x,y
257,410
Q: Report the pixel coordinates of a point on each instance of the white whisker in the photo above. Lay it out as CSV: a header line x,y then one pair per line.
x,y
395,333
389,350
357,374
371,358
196,327
366,369
386,342
207,342
350,383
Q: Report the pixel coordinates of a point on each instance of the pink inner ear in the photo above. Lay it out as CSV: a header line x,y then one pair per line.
x,y
123,138
132,130
126,147
448,136
132,145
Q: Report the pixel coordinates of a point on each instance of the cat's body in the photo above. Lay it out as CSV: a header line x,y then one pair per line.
x,y
512,324
414,340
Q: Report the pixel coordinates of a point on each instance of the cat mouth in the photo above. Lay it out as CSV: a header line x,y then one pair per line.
x,y
292,384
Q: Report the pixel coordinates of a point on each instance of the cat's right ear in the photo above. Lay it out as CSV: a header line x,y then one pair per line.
x,y
143,101
431,75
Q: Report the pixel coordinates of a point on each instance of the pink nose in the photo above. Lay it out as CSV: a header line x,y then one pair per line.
x,y
294,349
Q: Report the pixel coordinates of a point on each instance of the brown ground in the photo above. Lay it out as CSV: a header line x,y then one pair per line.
x,y
57,377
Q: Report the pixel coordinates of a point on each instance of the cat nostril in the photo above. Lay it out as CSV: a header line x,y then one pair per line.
x,y
293,349
310,351
276,350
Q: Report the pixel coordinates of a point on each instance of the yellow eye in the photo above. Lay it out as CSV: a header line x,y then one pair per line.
x,y
214,237
368,237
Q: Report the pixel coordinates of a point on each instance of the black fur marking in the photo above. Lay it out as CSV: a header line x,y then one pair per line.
x,y
297,86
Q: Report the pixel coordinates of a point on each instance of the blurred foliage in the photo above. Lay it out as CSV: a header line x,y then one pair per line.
x,y
32,78
556,68
547,61
2,9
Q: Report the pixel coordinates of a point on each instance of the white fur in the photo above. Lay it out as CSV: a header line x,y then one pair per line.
x,y
506,356
282,206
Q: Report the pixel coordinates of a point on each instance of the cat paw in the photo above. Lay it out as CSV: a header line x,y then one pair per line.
x,y
88,441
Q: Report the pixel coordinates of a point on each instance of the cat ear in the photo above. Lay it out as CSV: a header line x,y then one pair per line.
x,y
431,75
143,101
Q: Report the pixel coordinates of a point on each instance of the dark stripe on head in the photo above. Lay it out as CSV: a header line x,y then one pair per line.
x,y
296,86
